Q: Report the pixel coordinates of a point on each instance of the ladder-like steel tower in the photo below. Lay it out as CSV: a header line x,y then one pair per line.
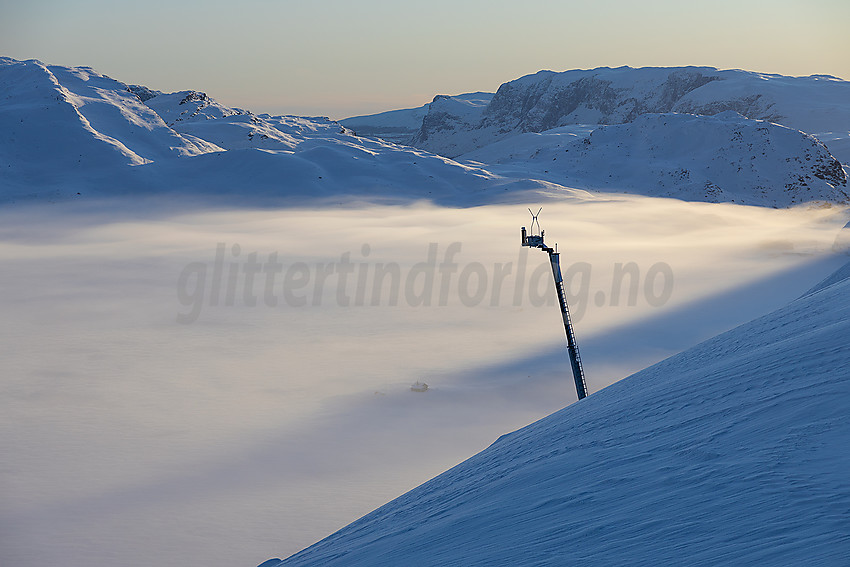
x,y
536,241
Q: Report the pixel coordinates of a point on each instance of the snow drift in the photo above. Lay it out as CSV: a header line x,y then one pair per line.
x,y
730,452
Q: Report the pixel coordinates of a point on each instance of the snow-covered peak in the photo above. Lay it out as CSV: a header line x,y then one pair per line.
x,y
188,106
72,120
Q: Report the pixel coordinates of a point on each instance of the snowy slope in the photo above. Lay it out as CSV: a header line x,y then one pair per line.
x,y
721,158
732,452
195,113
60,121
534,103
311,158
400,126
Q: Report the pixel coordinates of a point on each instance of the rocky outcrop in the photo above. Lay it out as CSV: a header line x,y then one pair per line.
x,y
143,92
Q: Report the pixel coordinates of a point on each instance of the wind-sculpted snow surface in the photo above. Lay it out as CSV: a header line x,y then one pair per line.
x,y
722,158
732,452
546,100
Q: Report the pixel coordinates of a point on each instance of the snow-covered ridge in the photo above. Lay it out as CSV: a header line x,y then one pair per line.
x,y
546,100
730,452
400,126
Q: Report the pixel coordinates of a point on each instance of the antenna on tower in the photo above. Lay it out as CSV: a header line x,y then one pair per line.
x,y
536,241
534,219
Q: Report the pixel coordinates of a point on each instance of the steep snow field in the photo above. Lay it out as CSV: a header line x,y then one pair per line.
x,y
732,452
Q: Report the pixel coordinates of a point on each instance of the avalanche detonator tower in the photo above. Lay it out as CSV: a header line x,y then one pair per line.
x,y
536,241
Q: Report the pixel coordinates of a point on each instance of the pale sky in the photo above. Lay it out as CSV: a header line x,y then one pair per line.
x,y
341,58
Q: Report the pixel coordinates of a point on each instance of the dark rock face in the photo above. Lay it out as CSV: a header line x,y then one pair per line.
x,y
548,103
752,106
542,106
680,83
143,92
829,169
195,96
438,121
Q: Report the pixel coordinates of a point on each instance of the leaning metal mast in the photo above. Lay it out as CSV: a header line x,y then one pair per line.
x,y
536,241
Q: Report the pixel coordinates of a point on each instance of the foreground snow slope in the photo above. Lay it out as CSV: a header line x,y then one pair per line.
x,y
257,430
732,452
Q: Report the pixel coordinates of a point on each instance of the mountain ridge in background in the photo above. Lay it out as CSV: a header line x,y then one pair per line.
x,y
816,104
71,132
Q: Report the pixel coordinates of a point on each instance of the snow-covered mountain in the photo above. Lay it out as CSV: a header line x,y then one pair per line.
x,y
72,131
400,126
534,103
57,121
732,452
721,158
